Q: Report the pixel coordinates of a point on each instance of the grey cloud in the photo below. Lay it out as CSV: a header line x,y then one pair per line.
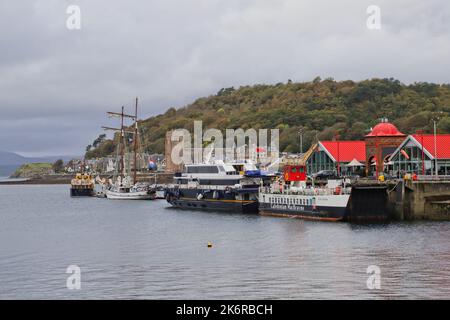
x,y
56,84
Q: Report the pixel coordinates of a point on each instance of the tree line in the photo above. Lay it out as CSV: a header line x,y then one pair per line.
x,y
321,109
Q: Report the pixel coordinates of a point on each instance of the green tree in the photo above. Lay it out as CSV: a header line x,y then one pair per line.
x,y
99,140
58,166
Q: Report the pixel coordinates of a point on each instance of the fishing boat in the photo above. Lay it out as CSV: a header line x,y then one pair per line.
x,y
123,186
230,187
290,196
82,186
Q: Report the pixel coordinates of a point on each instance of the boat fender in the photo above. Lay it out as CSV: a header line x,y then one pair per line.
x,y
199,196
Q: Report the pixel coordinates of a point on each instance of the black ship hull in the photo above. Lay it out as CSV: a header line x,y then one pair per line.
x,y
242,201
81,192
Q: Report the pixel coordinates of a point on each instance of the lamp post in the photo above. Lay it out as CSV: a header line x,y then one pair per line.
x,y
435,149
336,137
300,133
339,160
376,156
423,156
435,120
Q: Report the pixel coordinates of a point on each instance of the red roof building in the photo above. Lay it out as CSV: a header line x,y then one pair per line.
x,y
335,155
417,154
428,141
381,142
384,149
345,151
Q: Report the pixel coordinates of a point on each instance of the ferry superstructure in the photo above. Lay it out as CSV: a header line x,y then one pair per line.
x,y
291,197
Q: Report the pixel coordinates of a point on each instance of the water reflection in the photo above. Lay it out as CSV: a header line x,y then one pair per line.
x,y
145,250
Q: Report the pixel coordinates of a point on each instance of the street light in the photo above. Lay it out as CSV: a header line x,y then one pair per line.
x,y
435,119
300,132
336,138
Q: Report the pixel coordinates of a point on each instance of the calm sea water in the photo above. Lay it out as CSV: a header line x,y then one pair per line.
x,y
143,249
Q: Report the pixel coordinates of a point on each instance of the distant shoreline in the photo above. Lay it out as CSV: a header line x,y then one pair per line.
x,y
162,178
57,179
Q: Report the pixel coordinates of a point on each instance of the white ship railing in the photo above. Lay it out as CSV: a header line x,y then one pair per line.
x,y
305,191
210,187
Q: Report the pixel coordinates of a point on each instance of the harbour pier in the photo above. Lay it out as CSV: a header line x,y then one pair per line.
x,y
401,200
369,202
424,200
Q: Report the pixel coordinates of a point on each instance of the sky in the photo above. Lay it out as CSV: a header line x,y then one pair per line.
x,y
56,83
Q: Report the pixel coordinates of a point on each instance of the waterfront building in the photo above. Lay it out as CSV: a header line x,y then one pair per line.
x,y
336,156
420,153
381,143
349,157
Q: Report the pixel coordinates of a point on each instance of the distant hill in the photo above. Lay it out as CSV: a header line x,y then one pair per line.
x,y
10,161
10,158
7,169
321,108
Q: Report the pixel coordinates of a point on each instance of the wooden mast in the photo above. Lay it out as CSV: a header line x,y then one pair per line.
x,y
122,147
122,131
135,141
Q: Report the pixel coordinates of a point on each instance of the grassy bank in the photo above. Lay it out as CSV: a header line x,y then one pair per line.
x,y
31,170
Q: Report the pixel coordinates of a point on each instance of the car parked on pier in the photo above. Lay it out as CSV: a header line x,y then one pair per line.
x,y
325,174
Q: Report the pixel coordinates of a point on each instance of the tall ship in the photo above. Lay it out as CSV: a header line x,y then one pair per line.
x,y
231,187
291,196
124,185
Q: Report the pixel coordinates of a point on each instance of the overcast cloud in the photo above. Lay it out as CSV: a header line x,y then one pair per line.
x,y
56,84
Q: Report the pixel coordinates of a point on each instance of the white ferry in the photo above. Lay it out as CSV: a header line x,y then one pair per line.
x,y
291,197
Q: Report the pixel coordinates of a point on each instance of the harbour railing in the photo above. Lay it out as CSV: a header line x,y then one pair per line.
x,y
432,178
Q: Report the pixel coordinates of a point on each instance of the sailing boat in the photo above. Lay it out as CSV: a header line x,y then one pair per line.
x,y
124,187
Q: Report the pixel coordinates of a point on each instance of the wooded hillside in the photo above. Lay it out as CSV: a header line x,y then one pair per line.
x,y
323,108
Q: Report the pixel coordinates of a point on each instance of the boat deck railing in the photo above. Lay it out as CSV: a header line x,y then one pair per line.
x,y
306,191
212,187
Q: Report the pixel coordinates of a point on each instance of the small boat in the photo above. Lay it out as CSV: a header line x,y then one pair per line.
x,y
159,192
82,186
291,197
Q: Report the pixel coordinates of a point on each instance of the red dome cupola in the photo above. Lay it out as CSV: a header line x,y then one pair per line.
x,y
385,129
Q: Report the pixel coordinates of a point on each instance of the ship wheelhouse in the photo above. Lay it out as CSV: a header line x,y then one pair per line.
x,y
221,174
